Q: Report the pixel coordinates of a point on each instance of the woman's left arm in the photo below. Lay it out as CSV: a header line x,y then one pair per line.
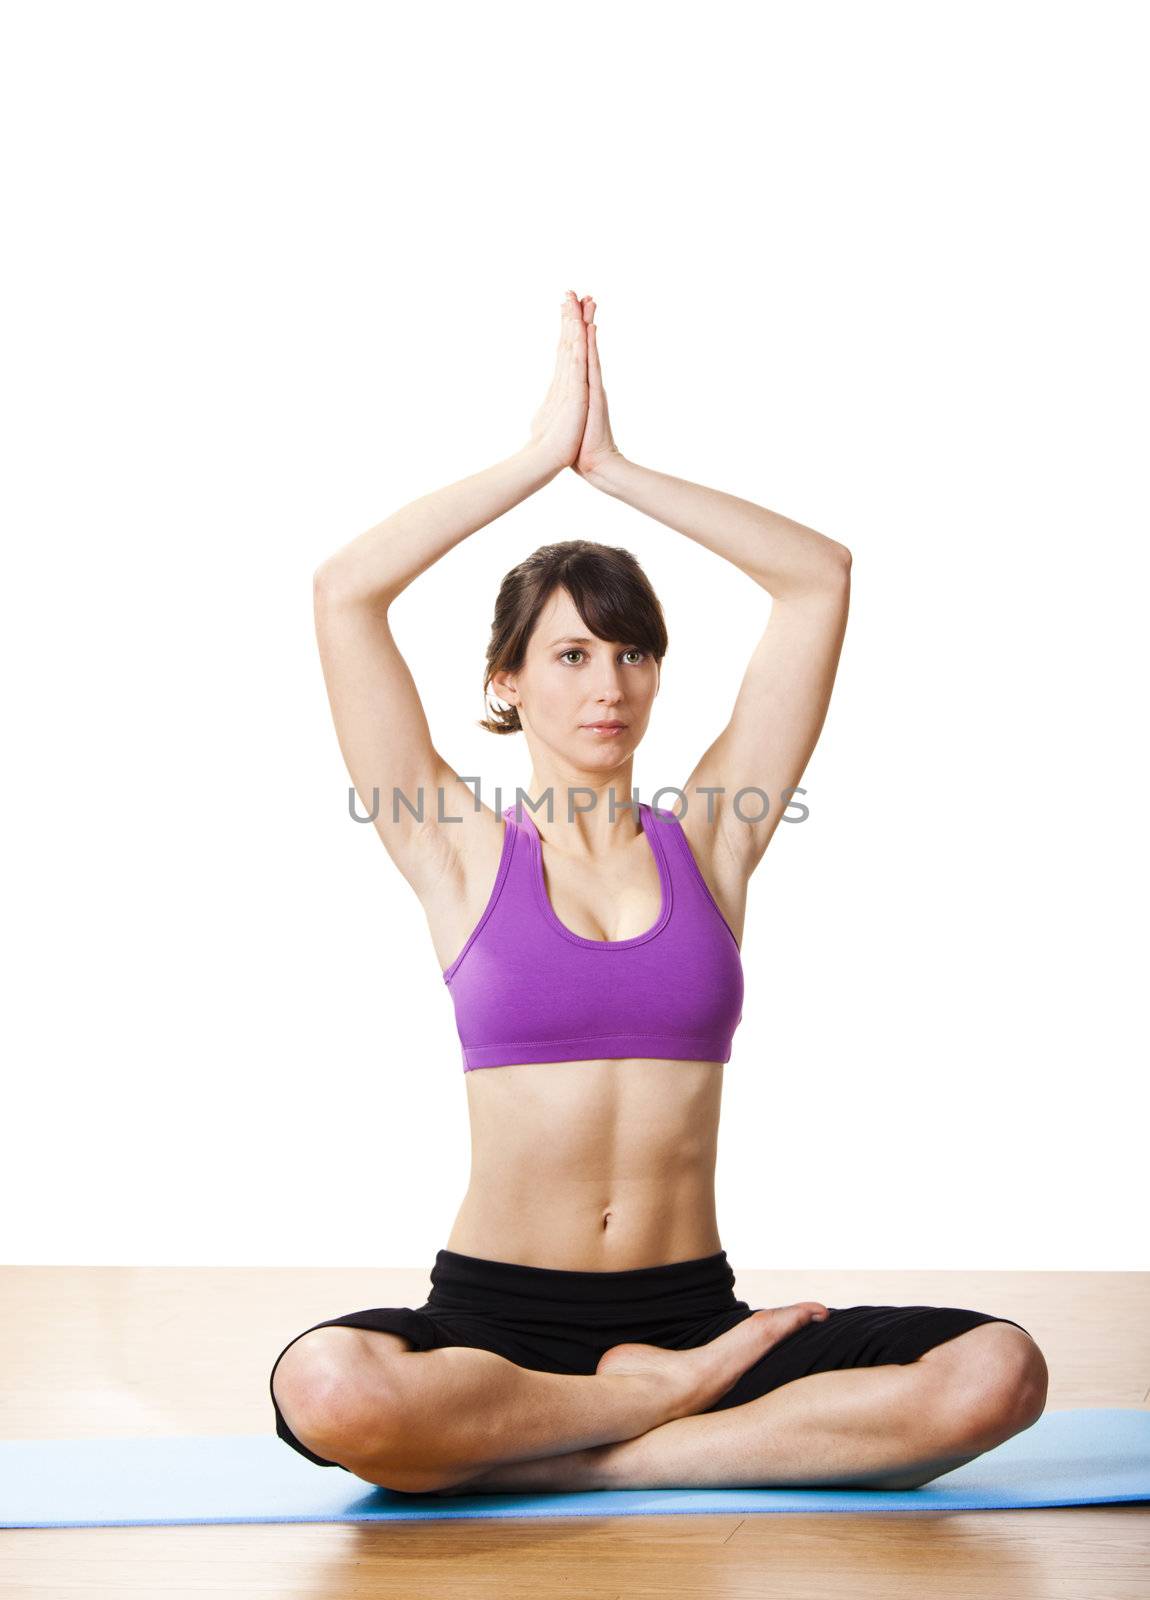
x,y
782,702
786,559
783,699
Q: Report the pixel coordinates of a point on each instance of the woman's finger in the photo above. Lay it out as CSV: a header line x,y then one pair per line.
x,y
581,333
594,372
581,358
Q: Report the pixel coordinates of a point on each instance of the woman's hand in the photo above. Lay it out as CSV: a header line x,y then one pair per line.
x,y
597,441
557,427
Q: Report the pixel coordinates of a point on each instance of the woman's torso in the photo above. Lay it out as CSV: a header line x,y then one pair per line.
x,y
587,1165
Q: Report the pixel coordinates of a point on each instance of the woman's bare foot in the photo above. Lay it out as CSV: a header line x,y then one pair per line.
x,y
697,1378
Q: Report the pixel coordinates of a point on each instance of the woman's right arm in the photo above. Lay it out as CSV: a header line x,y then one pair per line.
x,y
379,718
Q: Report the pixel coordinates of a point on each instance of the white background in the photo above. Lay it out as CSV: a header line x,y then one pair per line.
x,y
273,272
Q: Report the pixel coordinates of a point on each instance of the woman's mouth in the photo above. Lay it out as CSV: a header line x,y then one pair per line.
x,y
604,727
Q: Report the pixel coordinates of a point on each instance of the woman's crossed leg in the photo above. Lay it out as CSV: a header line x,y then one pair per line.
x,y
461,1420
891,1426
417,1420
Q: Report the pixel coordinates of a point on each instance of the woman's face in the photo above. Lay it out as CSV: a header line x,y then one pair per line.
x,y
571,680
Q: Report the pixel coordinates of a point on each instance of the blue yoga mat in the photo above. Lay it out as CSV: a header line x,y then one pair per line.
x,y
1068,1458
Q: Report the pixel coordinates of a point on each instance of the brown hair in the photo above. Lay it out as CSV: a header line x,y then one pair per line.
x,y
611,593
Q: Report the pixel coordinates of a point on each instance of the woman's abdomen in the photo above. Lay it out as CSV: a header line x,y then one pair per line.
x,y
592,1166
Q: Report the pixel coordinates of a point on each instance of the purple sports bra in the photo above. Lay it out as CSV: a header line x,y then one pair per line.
x,y
526,988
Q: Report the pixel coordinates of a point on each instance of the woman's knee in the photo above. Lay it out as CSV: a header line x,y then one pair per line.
x,y
334,1391
342,1397
996,1379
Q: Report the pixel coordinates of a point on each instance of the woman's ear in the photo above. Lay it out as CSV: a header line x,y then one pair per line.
x,y
505,690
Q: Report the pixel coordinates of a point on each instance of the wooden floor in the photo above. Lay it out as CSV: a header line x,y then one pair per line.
x,y
91,1351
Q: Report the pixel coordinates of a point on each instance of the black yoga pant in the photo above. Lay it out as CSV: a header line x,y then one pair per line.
x,y
556,1321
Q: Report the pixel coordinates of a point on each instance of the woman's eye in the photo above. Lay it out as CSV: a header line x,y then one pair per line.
x,y
634,651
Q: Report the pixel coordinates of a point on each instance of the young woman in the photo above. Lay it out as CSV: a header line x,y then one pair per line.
x,y
582,1329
